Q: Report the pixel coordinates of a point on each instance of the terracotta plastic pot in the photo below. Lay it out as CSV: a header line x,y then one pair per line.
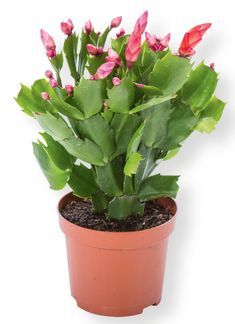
x,y
116,273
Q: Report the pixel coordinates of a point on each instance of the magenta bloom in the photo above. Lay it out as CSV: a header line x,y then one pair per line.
x,y
48,43
157,44
133,48
48,74
91,49
116,22
45,96
104,70
88,27
116,81
113,57
53,83
67,27
69,88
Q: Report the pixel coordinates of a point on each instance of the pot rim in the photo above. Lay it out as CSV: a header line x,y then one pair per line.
x,y
90,230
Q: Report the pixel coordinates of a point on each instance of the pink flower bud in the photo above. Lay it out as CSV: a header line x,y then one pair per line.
x,y
51,53
48,74
104,70
116,81
141,23
53,83
116,22
139,85
212,66
98,33
67,27
69,88
113,57
88,27
133,48
47,41
45,96
121,33
91,49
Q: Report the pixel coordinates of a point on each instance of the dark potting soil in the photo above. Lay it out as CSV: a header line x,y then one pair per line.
x,y
80,213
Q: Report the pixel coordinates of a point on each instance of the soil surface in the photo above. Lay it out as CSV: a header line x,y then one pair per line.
x,y
80,213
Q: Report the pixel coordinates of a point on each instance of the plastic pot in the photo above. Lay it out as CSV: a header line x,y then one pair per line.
x,y
116,273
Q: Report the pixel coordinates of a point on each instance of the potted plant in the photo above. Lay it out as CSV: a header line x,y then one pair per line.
x,y
131,107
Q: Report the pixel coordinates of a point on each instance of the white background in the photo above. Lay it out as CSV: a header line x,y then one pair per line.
x,y
199,282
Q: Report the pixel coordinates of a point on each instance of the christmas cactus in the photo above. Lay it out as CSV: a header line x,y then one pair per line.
x,y
131,106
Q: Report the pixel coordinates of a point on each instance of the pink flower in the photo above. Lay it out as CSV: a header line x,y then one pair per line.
x,y
116,22
116,81
67,27
133,48
113,57
165,41
212,66
91,49
53,83
157,44
48,43
45,96
69,88
120,33
88,27
48,74
141,23
104,70
192,38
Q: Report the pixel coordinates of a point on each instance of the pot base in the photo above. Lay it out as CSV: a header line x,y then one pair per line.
x,y
113,311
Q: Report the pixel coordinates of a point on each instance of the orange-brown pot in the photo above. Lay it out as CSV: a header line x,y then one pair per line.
x,y
116,273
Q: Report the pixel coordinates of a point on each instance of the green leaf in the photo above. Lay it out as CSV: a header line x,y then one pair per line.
x,y
135,140
210,116
156,123
119,44
54,126
83,53
94,62
56,177
70,50
84,150
103,37
28,102
60,157
97,129
150,103
90,95
100,201
124,127
110,179
122,97
57,61
199,88
121,207
151,91
171,154
170,73
158,186
66,109
181,124
132,163
82,181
